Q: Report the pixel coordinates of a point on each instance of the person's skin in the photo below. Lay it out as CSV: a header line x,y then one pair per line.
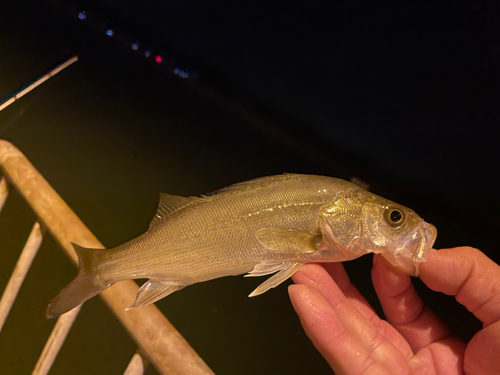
x,y
413,340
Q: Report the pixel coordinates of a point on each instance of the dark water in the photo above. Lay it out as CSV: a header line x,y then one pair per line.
x,y
114,129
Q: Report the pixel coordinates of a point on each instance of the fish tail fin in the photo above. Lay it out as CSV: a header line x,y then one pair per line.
x,y
86,284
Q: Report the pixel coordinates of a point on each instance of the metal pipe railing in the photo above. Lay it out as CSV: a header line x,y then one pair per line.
x,y
55,342
16,96
19,274
155,335
137,364
4,192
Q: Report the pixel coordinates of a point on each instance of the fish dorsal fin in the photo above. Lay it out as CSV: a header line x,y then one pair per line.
x,y
285,271
168,204
152,291
260,181
288,240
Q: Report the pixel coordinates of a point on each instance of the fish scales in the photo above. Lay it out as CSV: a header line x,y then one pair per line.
x,y
268,225
215,234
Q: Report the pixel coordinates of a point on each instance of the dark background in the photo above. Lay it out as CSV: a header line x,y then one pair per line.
x,y
403,95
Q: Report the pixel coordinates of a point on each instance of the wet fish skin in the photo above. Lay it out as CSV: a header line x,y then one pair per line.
x,y
270,224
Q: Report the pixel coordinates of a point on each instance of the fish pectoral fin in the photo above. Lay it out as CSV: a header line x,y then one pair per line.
x,y
286,270
288,240
153,291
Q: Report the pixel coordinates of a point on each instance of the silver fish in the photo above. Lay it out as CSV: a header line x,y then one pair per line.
x,y
268,225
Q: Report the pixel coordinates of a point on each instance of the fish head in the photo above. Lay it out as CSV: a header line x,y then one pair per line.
x,y
359,222
398,234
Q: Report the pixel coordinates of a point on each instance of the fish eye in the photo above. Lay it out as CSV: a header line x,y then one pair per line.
x,y
394,216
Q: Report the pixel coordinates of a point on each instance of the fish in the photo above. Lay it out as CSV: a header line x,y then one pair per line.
x,y
268,225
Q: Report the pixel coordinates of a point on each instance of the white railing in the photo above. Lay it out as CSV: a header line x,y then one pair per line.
x,y
159,342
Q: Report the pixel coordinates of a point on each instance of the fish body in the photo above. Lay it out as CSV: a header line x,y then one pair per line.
x,y
268,225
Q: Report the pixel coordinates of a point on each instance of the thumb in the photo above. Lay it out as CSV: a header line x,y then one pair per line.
x,y
470,276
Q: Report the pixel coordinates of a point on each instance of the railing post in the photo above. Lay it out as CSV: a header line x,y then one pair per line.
x,y
55,341
19,274
163,344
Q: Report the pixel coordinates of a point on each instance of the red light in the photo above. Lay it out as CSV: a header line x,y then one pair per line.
x,y
158,59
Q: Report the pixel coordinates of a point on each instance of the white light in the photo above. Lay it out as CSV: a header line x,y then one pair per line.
x,y
135,45
147,53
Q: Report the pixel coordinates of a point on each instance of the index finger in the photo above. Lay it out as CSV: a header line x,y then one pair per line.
x,y
470,276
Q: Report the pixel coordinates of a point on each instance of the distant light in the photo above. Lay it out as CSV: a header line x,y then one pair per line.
x,y
180,72
135,45
185,72
109,31
82,15
158,59
147,53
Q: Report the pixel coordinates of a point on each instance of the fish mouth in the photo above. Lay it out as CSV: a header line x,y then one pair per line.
x,y
420,247
427,234
415,250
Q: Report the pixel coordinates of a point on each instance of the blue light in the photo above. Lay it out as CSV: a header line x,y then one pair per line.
x,y
135,45
185,72
82,15
109,31
147,53
180,73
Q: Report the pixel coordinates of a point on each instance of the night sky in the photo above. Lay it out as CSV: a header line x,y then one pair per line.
x,y
410,92
403,95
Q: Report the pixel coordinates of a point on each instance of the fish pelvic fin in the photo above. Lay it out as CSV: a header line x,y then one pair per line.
x,y
286,270
86,285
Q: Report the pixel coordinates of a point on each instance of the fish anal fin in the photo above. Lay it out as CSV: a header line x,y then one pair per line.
x,y
168,204
288,240
152,291
286,270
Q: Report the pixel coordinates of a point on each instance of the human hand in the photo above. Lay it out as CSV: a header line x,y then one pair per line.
x,y
413,340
